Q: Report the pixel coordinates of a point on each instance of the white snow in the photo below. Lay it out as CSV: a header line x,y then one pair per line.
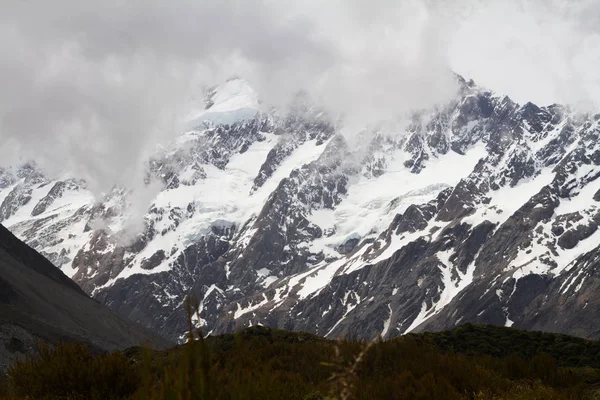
x,y
263,272
386,323
540,144
372,202
265,277
63,208
508,322
269,280
421,317
364,208
569,282
583,199
209,291
349,308
304,154
233,101
316,279
507,200
397,242
450,290
224,195
241,311
567,256
24,213
6,191
451,287
528,260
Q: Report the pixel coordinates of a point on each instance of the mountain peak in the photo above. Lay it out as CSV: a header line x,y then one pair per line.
x,y
232,101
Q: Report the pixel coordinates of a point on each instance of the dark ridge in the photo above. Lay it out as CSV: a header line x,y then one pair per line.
x,y
32,259
38,303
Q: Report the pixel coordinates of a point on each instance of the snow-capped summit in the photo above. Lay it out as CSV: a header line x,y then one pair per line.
x,y
230,102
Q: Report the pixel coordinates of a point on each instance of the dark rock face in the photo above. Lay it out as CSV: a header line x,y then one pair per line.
x,y
38,302
571,238
296,129
347,246
56,191
7,292
18,197
22,253
482,210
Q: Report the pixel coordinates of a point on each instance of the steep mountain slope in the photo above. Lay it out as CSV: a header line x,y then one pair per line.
x,y
481,211
38,302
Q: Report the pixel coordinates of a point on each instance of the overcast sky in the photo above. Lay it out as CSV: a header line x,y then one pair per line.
x,y
92,87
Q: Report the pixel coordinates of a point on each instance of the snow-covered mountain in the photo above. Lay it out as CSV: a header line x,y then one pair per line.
x,y
481,211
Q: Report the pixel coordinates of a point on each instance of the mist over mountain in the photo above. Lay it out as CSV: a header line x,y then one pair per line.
x,y
322,167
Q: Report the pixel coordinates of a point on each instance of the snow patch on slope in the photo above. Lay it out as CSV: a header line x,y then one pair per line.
x,y
451,288
505,201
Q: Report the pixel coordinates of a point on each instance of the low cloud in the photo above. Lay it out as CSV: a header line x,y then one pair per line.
x,y
92,89
544,51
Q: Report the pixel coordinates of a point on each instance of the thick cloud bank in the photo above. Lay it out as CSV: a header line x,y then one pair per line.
x,y
92,87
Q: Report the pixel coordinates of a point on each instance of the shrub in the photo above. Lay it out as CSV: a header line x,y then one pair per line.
x,y
261,363
70,371
316,396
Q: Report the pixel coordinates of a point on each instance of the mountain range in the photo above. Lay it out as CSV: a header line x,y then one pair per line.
x,y
481,210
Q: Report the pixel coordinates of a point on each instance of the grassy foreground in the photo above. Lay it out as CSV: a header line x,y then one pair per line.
x,y
469,362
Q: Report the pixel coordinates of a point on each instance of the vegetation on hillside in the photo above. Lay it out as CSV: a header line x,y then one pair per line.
x,y
470,362
502,342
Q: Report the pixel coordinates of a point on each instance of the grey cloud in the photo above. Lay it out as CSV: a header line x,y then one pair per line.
x,y
109,79
93,87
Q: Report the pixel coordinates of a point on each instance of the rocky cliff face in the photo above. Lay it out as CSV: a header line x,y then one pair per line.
x,y
480,211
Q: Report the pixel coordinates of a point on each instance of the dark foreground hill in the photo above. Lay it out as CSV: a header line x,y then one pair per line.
x,y
39,303
469,362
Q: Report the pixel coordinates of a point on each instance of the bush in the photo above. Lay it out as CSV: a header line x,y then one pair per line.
x,y
70,371
261,363
316,396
